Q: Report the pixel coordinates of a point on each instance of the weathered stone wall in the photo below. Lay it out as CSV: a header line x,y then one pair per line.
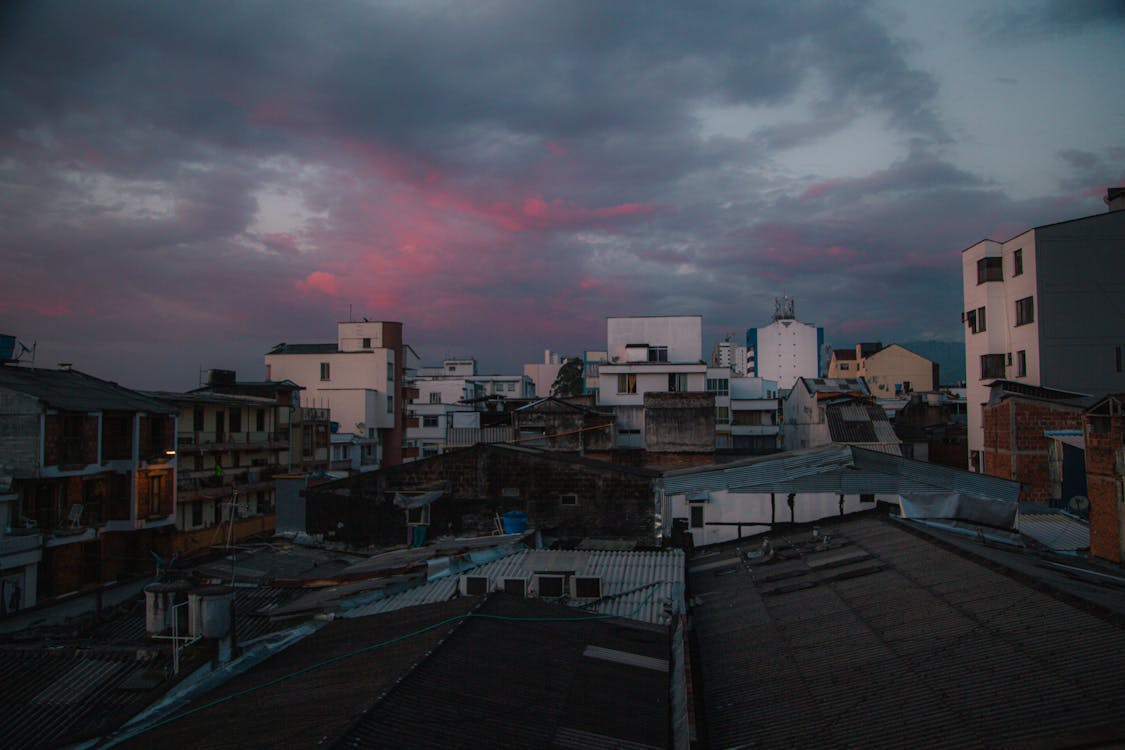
x,y
484,481
680,422
19,433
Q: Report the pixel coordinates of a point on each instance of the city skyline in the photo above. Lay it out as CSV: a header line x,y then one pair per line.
x,y
184,186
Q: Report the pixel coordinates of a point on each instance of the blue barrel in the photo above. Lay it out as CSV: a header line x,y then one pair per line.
x,y
514,521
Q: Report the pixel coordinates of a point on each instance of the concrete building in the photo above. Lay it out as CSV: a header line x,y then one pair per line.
x,y
1043,308
819,411
891,372
786,349
543,374
360,378
730,355
755,426
429,414
592,360
649,355
87,474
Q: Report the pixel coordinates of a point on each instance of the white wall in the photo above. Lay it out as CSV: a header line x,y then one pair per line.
x,y
683,335
786,350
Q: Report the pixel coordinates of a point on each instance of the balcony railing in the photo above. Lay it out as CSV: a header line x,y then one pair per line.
x,y
232,441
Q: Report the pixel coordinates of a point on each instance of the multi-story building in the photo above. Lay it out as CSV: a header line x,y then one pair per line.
x,y
648,355
786,349
543,374
754,407
229,448
592,361
87,478
359,378
440,392
891,372
1044,308
730,355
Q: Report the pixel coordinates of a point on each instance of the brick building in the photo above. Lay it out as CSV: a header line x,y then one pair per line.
x,y
1105,477
567,495
1016,418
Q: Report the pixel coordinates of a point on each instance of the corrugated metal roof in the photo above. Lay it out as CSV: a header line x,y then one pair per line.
x,y
639,585
71,390
1054,529
757,471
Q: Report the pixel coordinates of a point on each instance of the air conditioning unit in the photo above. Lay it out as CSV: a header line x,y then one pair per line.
x,y
474,585
549,586
516,586
586,587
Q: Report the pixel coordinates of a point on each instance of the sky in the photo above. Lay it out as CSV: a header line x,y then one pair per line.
x,y
185,184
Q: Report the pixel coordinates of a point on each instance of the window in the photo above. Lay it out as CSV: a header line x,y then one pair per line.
x,y
867,498
235,420
390,372
429,420
1017,262
260,421
976,320
677,382
1117,357
627,383
390,403
197,514
366,343
974,461
197,419
569,499
1025,311
845,366
990,269
435,397
991,366
722,414
658,354
718,385
592,369
697,516
511,386
324,371
1021,364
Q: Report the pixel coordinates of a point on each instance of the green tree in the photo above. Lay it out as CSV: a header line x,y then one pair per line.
x,y
569,381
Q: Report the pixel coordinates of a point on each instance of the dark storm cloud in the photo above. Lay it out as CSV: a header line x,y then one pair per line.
x,y
1049,18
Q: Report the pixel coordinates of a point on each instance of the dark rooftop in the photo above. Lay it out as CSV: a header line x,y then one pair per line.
x,y
881,637
515,673
305,349
71,390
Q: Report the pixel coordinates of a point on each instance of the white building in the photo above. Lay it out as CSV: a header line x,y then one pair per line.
x,y
649,355
430,415
543,374
1046,308
786,349
754,408
592,361
729,355
359,378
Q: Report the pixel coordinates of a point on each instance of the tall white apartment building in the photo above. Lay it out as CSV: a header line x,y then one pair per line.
x,y
649,355
786,349
1045,308
729,355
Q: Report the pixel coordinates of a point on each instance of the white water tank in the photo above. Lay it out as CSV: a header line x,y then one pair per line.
x,y
159,600
209,611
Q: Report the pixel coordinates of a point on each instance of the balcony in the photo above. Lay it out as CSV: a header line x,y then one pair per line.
x,y
200,442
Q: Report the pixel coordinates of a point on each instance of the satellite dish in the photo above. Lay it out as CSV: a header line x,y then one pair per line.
x,y
1078,504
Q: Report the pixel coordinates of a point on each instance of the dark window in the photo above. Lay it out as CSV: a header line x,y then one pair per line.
x,y
976,319
990,269
1017,262
551,586
974,460
325,371
197,419
235,420
570,499
260,421
1021,364
197,514
677,382
658,354
1025,311
991,366
367,343
867,498
1117,357
697,516
430,420
720,386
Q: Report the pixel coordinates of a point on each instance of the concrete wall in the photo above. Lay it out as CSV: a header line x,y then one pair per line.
x,y
889,370
19,433
784,351
683,335
679,422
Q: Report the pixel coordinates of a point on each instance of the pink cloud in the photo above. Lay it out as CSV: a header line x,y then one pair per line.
x,y
556,148
320,281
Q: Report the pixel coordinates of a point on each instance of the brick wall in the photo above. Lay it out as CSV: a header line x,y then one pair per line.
x,y
1014,444
1105,435
19,433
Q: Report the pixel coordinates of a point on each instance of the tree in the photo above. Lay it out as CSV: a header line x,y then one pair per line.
x,y
569,381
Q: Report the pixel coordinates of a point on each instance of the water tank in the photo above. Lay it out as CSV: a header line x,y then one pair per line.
x,y
514,521
159,600
209,611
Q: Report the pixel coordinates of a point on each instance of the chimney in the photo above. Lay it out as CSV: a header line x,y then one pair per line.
x,y
1115,198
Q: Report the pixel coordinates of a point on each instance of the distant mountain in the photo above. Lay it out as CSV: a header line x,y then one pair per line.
x,y
950,356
